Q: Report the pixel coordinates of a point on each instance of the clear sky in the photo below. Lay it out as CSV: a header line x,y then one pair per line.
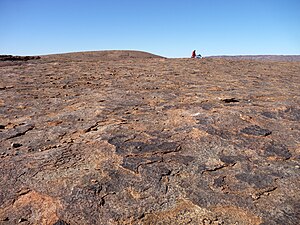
x,y
171,28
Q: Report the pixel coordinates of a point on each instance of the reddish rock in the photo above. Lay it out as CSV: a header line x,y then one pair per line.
x,y
124,137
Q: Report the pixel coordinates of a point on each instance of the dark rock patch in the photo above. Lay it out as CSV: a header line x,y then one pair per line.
x,y
204,120
95,188
16,132
61,222
291,113
219,182
17,58
271,115
258,180
181,159
131,147
221,133
207,105
228,159
278,150
256,131
155,171
132,163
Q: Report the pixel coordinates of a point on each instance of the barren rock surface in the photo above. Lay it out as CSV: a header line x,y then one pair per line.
x,y
278,58
123,138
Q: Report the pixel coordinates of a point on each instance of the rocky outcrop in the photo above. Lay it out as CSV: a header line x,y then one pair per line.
x,y
17,58
10,60
149,141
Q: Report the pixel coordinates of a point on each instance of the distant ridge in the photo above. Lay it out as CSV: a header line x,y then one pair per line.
x,y
104,55
285,58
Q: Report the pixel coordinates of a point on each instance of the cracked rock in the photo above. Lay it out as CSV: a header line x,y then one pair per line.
x,y
127,137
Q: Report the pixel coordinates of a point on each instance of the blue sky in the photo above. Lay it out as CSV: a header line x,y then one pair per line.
x,y
166,27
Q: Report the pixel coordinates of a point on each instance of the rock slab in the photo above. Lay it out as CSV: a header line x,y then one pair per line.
x,y
119,138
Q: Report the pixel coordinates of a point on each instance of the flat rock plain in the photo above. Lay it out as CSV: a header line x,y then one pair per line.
x,y
88,138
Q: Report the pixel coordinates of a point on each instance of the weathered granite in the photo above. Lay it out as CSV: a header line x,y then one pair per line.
x,y
137,140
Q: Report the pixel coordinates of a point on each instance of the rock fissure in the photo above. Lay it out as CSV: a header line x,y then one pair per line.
x,y
20,131
218,168
257,195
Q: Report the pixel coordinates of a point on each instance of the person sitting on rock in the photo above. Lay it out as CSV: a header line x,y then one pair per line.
x,y
194,54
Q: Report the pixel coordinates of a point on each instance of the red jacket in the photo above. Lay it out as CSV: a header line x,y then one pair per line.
x,y
194,54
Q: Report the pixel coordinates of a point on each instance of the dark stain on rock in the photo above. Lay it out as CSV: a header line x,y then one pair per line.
x,y
159,134
130,147
155,172
258,180
288,215
291,113
204,198
132,163
219,182
228,159
118,140
207,105
95,188
256,131
153,147
221,133
181,159
278,150
231,160
201,169
271,115
167,147
204,120
61,222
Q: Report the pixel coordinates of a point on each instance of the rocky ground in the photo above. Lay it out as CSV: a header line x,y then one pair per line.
x,y
132,138
278,58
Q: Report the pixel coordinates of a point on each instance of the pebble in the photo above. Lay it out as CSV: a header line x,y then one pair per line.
x,y
206,221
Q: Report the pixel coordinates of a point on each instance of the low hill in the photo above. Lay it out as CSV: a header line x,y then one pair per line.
x,y
104,55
